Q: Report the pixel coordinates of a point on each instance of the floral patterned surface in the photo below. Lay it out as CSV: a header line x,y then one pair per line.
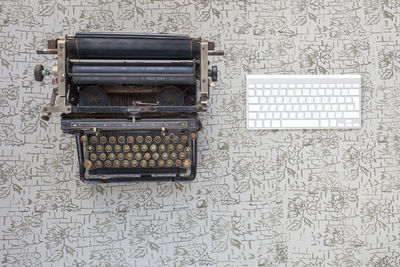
x,y
261,198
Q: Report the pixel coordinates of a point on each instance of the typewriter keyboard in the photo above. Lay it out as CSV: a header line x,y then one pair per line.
x,y
140,150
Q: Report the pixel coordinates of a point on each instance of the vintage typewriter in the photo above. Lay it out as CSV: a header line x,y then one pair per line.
x,y
132,102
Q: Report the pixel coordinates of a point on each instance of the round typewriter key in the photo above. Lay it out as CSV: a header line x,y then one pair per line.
x,y
143,163
162,147
186,163
107,163
108,148
152,163
138,156
121,139
130,139
179,147
135,148
103,139
125,163
164,156
139,139
148,139
98,164
170,163
173,156
184,139
126,148
112,139
111,156
187,149
117,163
117,148
120,156
99,148
153,148
166,139
102,156
147,156
157,139
90,148
182,155
178,162
129,156
134,163
161,163
171,136
93,156
87,164
144,148
171,147
156,156
84,138
175,139
93,139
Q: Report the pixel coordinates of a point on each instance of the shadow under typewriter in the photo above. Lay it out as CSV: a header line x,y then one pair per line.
x,y
132,102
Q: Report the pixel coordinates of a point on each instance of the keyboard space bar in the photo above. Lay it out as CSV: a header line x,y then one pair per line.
x,y
300,123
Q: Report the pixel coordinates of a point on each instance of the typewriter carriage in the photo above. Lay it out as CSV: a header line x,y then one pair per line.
x,y
125,84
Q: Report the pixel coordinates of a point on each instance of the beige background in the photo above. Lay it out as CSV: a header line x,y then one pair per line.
x,y
267,198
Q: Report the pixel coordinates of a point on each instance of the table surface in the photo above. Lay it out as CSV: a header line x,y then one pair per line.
x,y
268,198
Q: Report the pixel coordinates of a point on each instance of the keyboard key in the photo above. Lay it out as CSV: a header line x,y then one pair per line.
x,y
307,115
267,123
259,123
252,123
251,92
306,91
252,115
259,92
276,123
288,107
351,114
254,107
261,115
284,115
251,86
336,92
253,100
263,100
324,123
332,123
354,92
300,123
268,115
265,108
277,115
300,115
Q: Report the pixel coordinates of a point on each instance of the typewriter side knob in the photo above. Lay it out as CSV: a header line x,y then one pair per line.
x,y
214,73
38,72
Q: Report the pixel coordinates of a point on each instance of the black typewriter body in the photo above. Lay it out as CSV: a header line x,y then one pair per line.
x,y
132,101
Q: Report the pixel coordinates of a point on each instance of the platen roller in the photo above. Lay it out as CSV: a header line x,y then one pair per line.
x,y
132,46
181,73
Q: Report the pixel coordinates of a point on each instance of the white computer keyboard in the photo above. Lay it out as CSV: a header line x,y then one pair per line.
x,y
303,101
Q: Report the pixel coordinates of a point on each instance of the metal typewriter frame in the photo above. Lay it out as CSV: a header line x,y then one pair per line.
x,y
58,47
130,116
